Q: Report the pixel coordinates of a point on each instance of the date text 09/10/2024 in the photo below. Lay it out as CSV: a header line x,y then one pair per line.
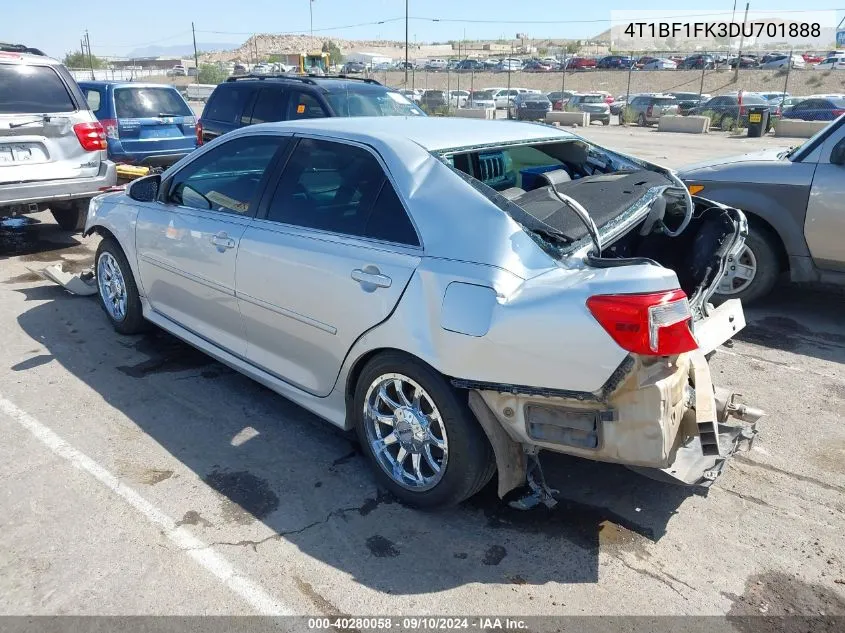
x,y
722,29
422,623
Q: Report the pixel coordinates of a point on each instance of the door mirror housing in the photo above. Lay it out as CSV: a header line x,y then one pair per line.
x,y
837,154
145,189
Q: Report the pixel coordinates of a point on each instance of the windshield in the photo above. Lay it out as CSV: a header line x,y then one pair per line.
x,y
592,99
140,103
665,101
372,103
28,89
482,94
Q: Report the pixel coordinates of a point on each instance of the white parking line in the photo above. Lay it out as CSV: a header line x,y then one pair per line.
x,y
250,591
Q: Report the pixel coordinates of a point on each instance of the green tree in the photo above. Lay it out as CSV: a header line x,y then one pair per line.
x,y
572,48
335,54
78,60
211,74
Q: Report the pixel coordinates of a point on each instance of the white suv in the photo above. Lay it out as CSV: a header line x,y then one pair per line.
x,y
52,148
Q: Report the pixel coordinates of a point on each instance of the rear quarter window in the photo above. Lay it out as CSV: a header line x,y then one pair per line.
x,y
32,89
227,103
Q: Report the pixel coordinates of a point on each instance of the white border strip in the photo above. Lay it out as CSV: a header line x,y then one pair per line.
x,y
219,567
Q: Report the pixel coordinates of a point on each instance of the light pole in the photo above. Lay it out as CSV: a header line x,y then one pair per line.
x,y
311,15
406,43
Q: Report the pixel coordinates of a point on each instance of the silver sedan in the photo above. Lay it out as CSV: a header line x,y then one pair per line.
x,y
462,293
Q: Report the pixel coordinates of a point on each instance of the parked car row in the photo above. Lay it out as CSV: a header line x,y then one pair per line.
x,y
695,61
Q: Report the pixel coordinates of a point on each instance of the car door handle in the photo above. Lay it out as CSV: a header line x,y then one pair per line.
x,y
222,240
371,276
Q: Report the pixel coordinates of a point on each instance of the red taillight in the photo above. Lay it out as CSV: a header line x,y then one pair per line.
x,y
653,324
838,112
91,136
558,105
110,128
199,133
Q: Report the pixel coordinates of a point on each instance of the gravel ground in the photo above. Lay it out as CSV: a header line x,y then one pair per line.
x,y
142,477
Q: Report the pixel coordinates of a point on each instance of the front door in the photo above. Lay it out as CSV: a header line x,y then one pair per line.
x,y
187,242
327,260
824,226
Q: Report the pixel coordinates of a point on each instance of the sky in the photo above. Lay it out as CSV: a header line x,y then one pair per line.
x,y
56,26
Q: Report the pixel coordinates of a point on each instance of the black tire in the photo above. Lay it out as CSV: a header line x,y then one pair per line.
x,y
471,462
71,217
764,247
641,120
133,322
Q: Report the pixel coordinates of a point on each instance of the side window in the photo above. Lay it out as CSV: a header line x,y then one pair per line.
x,y
389,221
340,188
303,105
227,103
93,98
270,105
227,177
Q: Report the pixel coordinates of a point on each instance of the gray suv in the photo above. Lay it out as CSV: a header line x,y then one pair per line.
x,y
648,108
52,148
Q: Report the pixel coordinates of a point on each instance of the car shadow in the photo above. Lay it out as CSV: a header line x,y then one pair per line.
x,y
806,320
272,461
27,236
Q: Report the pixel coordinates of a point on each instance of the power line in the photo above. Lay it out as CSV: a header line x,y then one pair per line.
x,y
163,39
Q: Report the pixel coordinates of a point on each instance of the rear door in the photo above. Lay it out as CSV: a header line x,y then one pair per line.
x,y
152,119
270,105
327,258
38,112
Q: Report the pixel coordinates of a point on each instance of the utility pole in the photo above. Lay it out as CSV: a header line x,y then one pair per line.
x,y
406,43
90,57
311,15
741,42
196,57
730,39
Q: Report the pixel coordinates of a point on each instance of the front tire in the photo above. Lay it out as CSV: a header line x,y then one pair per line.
x,y
117,290
755,272
641,121
425,444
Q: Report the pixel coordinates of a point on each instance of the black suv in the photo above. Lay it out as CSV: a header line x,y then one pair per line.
x,y
241,101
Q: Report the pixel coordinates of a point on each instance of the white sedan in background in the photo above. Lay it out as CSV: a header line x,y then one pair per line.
x,y
660,64
784,61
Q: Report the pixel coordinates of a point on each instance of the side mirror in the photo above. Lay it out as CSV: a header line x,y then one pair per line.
x,y
837,154
145,189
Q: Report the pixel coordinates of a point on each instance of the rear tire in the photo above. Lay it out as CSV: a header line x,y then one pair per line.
x,y
641,121
468,462
71,217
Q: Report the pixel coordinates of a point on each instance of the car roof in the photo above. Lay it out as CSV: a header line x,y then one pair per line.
x,y
327,83
24,57
431,133
124,84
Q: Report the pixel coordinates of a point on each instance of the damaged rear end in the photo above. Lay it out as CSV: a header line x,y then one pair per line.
x,y
638,260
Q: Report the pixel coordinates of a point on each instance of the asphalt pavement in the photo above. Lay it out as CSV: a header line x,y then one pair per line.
x,y
142,477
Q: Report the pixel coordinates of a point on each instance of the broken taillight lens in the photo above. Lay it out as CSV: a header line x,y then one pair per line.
x,y
652,324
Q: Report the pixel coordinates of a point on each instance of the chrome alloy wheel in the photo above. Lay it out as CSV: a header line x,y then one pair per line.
x,y
406,432
112,286
739,274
